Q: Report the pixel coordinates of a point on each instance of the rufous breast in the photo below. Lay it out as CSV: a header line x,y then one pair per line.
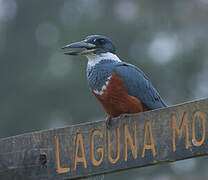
x,y
115,98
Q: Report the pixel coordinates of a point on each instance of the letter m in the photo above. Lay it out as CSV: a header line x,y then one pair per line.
x,y
179,129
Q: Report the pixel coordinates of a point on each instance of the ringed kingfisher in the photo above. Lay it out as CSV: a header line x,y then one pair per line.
x,y
121,88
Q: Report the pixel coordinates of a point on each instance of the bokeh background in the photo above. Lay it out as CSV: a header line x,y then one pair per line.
x,y
41,88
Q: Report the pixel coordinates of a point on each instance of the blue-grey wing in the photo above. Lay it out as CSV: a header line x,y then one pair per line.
x,y
138,85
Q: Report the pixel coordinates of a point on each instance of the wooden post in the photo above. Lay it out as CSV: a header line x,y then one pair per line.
x,y
132,141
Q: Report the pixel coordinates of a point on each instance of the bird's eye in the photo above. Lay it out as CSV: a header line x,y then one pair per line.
x,y
100,41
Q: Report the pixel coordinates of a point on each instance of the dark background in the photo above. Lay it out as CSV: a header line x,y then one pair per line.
x,y
41,88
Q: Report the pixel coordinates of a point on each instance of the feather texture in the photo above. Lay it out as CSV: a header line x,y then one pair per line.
x,y
136,84
139,86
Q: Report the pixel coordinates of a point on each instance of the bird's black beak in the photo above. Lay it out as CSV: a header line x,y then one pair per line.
x,y
84,48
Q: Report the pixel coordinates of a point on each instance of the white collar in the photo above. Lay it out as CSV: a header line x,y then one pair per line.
x,y
93,59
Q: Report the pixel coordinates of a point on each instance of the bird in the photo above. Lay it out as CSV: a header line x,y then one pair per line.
x,y
120,87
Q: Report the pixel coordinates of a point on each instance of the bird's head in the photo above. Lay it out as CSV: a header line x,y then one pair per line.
x,y
91,45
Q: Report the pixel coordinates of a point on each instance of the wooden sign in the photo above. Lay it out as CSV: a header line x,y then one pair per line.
x,y
77,151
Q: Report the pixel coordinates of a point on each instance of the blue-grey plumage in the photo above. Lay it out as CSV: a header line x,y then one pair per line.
x,y
135,81
139,86
119,86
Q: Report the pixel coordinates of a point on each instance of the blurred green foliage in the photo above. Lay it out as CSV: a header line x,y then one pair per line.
x,y
41,88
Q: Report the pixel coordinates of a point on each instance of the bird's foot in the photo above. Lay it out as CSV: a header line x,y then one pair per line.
x,y
124,115
108,122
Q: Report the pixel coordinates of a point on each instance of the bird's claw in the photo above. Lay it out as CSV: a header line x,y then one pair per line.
x,y
123,115
108,122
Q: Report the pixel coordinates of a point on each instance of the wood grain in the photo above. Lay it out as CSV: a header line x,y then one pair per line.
x,y
133,141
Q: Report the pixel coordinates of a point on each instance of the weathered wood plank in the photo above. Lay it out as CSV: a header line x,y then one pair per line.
x,y
148,138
